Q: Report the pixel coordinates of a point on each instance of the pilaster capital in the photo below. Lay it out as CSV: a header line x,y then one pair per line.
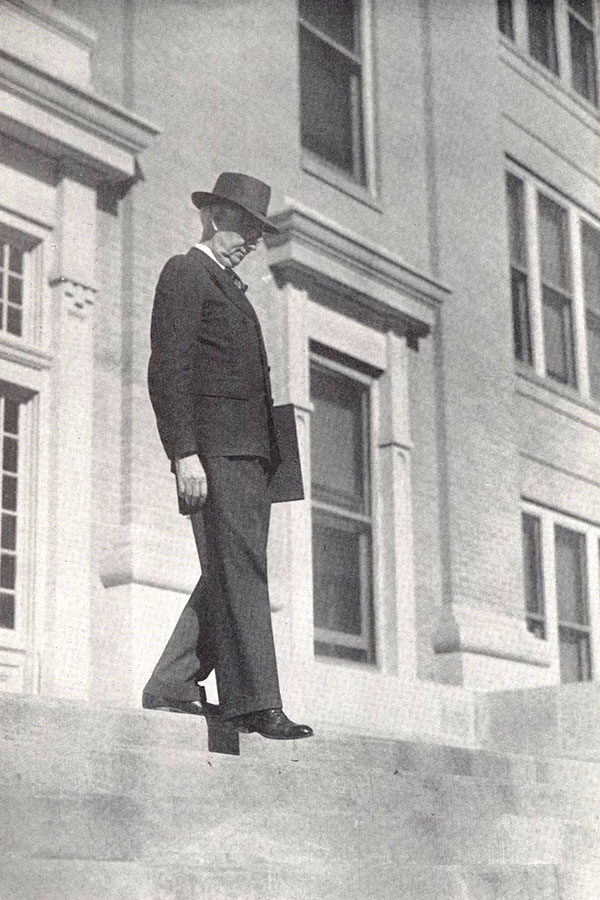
x,y
77,299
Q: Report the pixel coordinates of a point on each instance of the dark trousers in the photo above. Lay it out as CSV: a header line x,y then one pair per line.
x,y
226,623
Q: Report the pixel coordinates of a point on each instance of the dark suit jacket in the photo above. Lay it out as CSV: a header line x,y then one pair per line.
x,y
208,374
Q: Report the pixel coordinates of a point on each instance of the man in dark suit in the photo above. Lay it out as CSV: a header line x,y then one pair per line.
x,y
209,386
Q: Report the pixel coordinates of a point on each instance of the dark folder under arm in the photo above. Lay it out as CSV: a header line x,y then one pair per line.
x,y
286,484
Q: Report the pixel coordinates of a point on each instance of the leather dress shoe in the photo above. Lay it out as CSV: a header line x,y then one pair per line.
x,y
272,723
199,707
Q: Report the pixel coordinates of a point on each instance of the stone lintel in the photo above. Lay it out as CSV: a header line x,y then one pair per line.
x,y
363,280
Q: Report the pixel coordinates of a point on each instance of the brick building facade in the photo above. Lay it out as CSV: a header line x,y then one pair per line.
x,y
431,308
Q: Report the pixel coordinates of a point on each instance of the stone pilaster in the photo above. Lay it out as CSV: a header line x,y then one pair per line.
x,y
66,649
290,551
397,630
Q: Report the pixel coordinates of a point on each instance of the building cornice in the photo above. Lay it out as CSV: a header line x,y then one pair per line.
x,y
371,283
66,121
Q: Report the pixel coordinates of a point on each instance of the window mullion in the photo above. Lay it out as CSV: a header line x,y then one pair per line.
x,y
579,320
535,286
563,41
593,586
520,24
369,119
549,571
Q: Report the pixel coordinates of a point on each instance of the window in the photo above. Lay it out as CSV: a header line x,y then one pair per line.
x,y
341,513
542,33
559,591
505,18
555,300
532,576
590,240
571,594
331,84
581,38
9,423
11,287
560,35
518,269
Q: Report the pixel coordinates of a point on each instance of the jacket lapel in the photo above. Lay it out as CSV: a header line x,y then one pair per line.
x,y
243,304
225,283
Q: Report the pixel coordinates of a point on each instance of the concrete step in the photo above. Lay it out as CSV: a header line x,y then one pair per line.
x,y
530,786
131,804
59,729
99,803
59,879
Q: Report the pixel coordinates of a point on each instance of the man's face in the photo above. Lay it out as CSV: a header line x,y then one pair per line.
x,y
238,233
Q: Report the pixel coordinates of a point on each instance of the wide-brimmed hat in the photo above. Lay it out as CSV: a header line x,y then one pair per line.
x,y
250,194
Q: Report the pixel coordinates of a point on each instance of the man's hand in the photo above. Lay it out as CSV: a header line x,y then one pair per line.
x,y
191,480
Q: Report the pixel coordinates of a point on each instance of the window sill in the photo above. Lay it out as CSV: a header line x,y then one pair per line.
x,y
561,398
537,74
334,177
371,668
12,640
19,350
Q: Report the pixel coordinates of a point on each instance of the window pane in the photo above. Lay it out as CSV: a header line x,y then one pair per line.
x,y
516,220
15,263
9,492
505,18
337,576
554,243
330,114
10,454
571,576
590,242
593,346
583,63
520,310
575,657
7,611
532,565
7,571
542,36
11,416
14,322
584,8
558,340
9,532
15,289
336,18
338,439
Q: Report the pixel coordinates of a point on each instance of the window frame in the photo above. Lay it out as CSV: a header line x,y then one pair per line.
x,y
25,362
318,166
579,385
368,638
549,521
565,76
592,28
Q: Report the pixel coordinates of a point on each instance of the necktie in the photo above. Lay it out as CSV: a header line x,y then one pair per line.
x,y
236,279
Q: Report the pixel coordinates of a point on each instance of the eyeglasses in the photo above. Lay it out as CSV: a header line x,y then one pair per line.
x,y
236,220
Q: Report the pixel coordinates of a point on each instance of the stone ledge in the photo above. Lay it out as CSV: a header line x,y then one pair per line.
x,y
70,122
485,632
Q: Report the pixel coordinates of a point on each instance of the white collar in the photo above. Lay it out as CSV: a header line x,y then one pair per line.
x,y
209,252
